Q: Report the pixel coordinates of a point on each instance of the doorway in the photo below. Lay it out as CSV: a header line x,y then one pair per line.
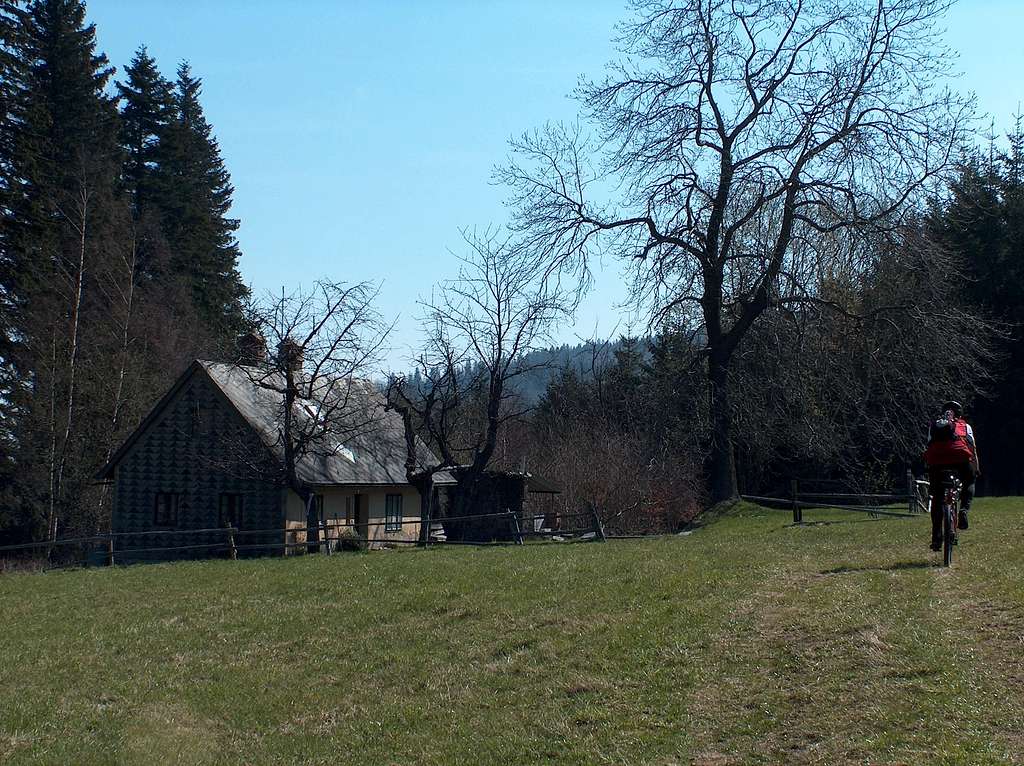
x,y
361,513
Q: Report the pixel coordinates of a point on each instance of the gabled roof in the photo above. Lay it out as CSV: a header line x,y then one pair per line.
x,y
374,453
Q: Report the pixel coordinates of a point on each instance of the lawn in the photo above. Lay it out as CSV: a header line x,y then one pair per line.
x,y
747,641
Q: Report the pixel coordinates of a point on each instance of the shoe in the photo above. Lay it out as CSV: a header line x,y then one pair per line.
x,y
936,545
961,521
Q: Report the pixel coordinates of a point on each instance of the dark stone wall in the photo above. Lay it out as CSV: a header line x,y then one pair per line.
x,y
188,450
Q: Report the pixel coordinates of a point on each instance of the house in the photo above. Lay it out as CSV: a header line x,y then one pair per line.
x,y
203,459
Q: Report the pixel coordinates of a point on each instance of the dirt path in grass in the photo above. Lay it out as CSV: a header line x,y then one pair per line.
x,y
992,631
840,666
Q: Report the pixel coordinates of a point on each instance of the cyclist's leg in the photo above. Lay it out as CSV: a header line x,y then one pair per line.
x,y
935,490
966,473
967,477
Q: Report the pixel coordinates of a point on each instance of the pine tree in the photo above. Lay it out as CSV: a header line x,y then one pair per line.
x,y
195,198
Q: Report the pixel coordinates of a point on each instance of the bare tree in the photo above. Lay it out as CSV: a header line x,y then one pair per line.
x,y
325,342
478,328
747,139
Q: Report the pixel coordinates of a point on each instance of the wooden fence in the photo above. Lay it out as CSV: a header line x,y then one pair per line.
x,y
229,541
914,498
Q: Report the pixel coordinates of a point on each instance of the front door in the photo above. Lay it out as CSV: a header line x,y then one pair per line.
x,y
361,513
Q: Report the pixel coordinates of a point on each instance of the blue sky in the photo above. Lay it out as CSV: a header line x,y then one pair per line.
x,y
361,136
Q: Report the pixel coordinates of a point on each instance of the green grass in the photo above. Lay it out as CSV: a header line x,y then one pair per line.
x,y
748,641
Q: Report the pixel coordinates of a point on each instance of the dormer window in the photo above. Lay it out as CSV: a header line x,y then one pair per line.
x,y
345,452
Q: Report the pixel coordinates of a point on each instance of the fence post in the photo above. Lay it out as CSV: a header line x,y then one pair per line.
x,y
110,551
911,492
232,552
519,530
798,516
598,527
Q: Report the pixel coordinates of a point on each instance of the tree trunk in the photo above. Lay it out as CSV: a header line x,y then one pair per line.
x,y
312,522
128,299
80,223
426,490
721,462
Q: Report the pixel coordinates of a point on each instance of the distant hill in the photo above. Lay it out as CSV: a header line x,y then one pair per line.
x,y
548,363
584,358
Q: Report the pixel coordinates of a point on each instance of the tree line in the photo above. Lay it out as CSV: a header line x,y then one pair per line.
x,y
118,257
822,253
839,390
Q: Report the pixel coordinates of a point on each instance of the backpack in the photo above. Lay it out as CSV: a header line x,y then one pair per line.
x,y
942,430
947,442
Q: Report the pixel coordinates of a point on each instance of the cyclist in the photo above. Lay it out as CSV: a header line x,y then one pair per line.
x,y
951,447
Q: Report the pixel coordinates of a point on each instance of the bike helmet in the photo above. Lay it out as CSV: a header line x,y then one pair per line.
x,y
954,406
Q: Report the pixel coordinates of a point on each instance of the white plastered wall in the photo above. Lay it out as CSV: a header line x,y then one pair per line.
x,y
374,501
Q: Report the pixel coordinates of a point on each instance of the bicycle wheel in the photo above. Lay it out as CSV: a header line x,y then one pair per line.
x,y
947,533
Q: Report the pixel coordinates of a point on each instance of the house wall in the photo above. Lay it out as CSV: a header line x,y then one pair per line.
x,y
374,500
183,452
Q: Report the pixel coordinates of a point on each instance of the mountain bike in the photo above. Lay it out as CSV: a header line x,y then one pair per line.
x,y
950,514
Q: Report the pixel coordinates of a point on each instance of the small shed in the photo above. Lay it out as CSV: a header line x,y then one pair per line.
x,y
529,496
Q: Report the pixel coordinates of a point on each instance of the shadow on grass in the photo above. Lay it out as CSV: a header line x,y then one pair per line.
x,y
813,523
898,566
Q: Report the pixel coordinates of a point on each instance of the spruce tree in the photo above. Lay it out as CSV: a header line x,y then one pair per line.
x,y
982,222
57,233
10,80
65,128
12,74
147,109
195,198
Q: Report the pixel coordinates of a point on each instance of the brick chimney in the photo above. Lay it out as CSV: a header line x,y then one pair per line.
x,y
252,349
290,355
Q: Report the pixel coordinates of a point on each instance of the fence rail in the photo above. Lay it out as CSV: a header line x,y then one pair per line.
x,y
326,543
915,497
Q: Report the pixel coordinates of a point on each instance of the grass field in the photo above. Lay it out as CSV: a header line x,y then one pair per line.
x,y
748,641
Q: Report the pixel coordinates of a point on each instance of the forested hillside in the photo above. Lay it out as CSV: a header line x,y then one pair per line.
x,y
118,260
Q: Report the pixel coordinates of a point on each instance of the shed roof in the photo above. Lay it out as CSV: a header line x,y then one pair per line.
x,y
541,485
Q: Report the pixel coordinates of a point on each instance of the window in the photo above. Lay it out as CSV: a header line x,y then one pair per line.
x,y
165,511
393,513
231,510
